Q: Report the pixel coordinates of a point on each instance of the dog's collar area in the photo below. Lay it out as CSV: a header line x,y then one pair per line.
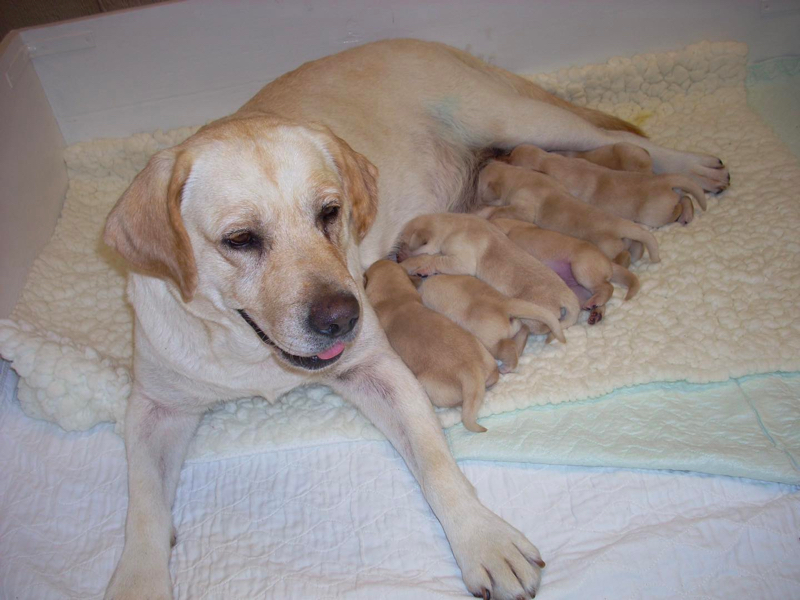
x,y
310,363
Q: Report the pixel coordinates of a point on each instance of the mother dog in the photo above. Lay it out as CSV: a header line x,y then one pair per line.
x,y
248,242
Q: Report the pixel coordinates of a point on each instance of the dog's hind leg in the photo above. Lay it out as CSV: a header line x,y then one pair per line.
x,y
498,117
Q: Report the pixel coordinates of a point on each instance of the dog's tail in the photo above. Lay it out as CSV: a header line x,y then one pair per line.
x,y
473,390
685,184
524,310
634,232
623,276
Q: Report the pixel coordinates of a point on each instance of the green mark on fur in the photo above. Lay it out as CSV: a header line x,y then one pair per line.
x,y
444,112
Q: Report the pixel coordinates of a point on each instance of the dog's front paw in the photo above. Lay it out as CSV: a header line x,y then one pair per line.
x,y
496,560
138,580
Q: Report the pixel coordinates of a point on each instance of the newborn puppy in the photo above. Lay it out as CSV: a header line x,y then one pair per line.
x,y
452,366
530,196
620,157
585,269
458,244
496,320
653,200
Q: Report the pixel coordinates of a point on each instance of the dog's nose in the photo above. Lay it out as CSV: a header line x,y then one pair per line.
x,y
334,315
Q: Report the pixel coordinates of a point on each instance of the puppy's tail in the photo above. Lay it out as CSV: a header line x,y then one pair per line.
x,y
524,310
687,185
473,390
634,232
623,276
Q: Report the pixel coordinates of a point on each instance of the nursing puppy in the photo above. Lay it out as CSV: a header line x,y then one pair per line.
x,y
653,200
586,270
449,362
530,196
247,244
458,244
496,320
620,157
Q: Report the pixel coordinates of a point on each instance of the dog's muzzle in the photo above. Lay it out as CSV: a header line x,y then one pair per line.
x,y
309,363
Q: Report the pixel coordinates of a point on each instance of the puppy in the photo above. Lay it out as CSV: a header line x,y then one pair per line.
x,y
620,157
452,366
530,196
458,244
653,200
586,270
496,320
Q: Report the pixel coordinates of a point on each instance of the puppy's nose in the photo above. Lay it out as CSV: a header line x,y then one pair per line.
x,y
334,315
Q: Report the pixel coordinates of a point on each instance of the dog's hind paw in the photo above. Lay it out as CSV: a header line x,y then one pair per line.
x,y
710,173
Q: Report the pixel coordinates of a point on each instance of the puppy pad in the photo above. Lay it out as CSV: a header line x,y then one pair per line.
x,y
719,306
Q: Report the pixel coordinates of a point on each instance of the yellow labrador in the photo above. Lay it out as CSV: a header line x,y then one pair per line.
x,y
469,245
582,266
518,193
495,319
653,200
247,244
449,362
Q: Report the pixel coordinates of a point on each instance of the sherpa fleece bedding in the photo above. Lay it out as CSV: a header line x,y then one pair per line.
x,y
720,305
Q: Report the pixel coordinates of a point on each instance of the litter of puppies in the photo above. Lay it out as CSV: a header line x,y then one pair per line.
x,y
551,233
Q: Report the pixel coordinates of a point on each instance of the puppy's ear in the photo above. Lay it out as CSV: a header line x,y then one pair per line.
x,y
360,179
146,227
419,238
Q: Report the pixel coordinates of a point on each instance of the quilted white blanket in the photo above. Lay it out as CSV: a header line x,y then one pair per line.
x,y
721,304
348,521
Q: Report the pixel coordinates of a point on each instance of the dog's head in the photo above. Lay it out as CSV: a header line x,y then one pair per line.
x,y
258,216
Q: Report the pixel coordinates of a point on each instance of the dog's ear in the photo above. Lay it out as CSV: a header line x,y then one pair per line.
x,y
146,227
360,179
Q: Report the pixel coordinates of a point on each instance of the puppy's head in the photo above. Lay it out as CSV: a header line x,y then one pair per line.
x,y
387,280
490,182
527,155
257,217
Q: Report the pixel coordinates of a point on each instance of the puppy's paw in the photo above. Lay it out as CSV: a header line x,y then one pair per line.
x,y
596,315
419,266
496,560
137,579
686,211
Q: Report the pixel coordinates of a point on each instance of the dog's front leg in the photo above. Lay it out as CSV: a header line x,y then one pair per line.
x,y
496,560
156,440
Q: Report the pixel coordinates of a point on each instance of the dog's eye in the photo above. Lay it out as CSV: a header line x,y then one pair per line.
x,y
328,217
241,239
329,213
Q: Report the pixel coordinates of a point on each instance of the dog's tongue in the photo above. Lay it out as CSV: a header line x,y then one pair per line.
x,y
334,350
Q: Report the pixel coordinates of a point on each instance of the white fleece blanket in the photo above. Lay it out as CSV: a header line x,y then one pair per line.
x,y
720,305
